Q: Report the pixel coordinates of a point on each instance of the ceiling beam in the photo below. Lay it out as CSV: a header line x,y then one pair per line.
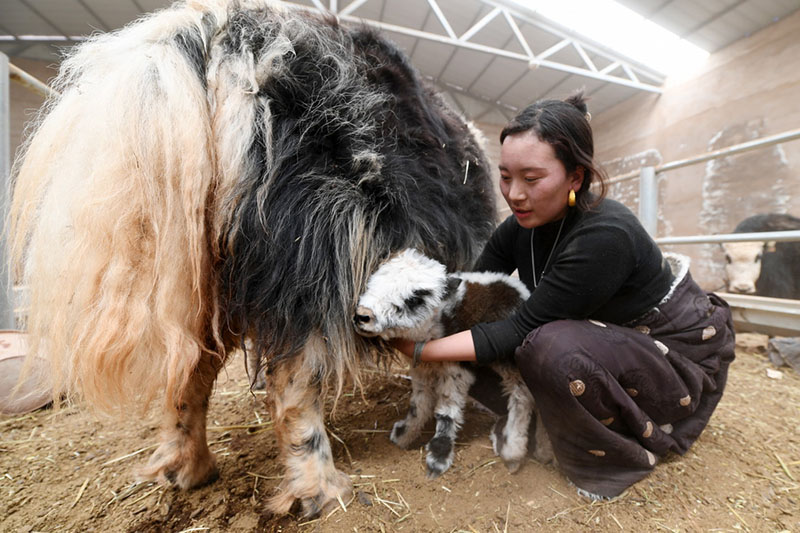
x,y
529,16
416,41
93,13
452,87
478,26
486,67
517,33
452,53
534,61
442,19
714,16
42,17
352,7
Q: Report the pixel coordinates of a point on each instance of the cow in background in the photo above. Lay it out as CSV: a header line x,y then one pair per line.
x,y
764,268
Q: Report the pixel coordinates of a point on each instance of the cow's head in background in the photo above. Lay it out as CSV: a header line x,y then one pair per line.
x,y
743,264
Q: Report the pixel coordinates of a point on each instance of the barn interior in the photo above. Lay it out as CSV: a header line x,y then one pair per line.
x,y
693,145
729,76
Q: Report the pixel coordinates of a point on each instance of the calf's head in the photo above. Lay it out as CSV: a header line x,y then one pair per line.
x,y
404,298
743,265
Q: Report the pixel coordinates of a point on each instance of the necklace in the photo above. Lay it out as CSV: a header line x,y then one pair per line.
x,y
533,256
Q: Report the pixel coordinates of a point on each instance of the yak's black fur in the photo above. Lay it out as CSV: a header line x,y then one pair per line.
x,y
354,129
231,171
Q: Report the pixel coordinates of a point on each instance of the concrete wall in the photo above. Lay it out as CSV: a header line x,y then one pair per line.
x,y
750,89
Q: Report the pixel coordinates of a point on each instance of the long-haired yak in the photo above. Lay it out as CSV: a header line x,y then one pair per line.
x,y
223,174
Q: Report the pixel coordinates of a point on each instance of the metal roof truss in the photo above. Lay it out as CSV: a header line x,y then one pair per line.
x,y
617,71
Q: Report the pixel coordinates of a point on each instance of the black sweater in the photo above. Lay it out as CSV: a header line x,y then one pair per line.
x,y
604,266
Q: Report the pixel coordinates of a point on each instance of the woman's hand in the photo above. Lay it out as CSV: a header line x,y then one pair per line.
x,y
457,347
404,346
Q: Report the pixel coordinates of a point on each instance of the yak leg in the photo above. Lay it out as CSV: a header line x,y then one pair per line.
x,y
451,390
420,408
310,475
510,441
183,458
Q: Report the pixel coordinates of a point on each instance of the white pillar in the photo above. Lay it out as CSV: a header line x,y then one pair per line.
x,y
648,200
6,298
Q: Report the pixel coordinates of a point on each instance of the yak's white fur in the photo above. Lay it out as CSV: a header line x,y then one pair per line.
x,y
144,216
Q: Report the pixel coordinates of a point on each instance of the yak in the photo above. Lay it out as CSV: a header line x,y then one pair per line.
x,y
224,175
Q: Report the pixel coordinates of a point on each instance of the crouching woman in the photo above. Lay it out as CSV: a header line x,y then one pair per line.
x,y
625,355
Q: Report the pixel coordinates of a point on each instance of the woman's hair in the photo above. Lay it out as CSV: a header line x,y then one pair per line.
x,y
564,125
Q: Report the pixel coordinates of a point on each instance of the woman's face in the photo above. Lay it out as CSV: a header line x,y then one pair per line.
x,y
533,182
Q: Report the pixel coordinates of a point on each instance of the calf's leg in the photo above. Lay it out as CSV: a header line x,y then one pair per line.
x,y
452,388
420,408
510,441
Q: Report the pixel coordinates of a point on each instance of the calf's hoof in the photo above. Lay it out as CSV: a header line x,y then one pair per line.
x,y
439,457
512,465
514,456
543,451
497,436
400,436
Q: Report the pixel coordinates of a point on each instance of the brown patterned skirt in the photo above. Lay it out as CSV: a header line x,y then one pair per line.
x,y
616,398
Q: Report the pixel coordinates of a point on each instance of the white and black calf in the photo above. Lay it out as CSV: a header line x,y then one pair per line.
x,y
412,296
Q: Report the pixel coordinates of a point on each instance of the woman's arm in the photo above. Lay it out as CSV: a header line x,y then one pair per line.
x,y
456,347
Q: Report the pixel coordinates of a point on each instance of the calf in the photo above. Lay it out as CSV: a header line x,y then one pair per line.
x,y
765,269
412,296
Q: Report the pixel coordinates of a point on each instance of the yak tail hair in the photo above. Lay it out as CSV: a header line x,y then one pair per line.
x,y
109,226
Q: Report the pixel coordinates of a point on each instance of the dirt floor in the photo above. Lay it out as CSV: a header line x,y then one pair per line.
x,y
72,471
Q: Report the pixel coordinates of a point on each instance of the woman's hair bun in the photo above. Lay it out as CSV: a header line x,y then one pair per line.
x,y
578,100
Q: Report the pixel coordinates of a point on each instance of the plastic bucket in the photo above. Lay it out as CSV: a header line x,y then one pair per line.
x,y
32,393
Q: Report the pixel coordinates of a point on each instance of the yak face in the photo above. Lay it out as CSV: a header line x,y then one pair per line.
x,y
404,298
743,265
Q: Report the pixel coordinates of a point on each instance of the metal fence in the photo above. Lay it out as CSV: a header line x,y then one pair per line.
x,y
9,72
6,297
774,316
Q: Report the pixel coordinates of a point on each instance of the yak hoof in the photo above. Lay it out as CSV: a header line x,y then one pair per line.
x,y
332,494
178,467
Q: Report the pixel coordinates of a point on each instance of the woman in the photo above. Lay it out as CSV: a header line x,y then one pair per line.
x,y
625,358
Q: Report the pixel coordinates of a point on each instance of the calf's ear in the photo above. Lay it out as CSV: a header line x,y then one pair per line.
x,y
452,284
769,247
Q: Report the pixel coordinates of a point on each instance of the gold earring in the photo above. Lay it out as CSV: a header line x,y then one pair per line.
x,y
571,200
